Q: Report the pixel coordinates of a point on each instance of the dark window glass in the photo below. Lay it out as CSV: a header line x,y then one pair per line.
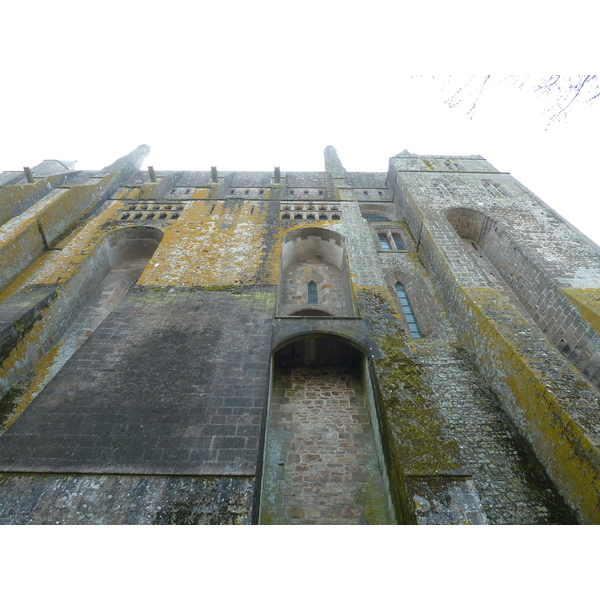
x,y
398,241
383,241
312,293
413,327
375,218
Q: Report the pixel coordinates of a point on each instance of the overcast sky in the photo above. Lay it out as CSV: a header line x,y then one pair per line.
x,y
253,85
249,85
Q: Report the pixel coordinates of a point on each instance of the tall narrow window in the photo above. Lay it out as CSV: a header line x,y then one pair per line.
x,y
494,189
408,311
383,241
443,189
398,241
312,293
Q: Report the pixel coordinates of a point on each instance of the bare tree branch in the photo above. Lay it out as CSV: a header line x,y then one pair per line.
x,y
561,91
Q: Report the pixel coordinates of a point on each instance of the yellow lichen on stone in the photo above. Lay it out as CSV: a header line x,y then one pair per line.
x,y
12,196
200,194
16,364
587,302
540,397
66,262
41,375
148,190
65,208
220,244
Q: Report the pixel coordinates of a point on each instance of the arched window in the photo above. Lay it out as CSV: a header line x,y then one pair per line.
x,y
312,293
408,311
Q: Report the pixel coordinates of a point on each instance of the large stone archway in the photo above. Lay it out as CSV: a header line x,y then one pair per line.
x,y
322,462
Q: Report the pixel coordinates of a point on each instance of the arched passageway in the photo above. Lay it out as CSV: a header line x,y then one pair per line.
x,y
323,462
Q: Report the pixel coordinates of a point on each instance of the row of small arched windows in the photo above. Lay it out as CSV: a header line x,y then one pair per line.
x,y
310,217
126,216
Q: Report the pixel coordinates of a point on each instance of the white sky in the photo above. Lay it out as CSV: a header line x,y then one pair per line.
x,y
253,85
257,84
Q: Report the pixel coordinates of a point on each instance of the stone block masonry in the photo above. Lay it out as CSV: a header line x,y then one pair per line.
x,y
321,464
124,500
163,361
143,395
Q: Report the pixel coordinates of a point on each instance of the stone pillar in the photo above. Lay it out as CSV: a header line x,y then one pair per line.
x,y
332,162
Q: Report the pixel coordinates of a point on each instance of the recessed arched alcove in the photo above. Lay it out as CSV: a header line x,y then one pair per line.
x,y
132,247
106,274
323,462
373,211
314,274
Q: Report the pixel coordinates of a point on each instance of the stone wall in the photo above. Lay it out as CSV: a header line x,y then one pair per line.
x,y
160,413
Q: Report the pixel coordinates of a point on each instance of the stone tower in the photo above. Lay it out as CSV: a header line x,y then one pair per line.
x,y
412,346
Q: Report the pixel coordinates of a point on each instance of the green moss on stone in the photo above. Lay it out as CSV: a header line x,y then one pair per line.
x,y
415,426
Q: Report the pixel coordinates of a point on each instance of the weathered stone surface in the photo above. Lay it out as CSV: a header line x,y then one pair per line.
x,y
124,500
322,465
143,395
139,369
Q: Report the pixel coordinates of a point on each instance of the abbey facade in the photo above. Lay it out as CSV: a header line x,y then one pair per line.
x,y
416,346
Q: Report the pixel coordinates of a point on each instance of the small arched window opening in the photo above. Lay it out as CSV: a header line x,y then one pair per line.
x,y
409,315
312,293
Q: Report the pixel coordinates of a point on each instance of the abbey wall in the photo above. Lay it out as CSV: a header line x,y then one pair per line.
x,y
416,346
